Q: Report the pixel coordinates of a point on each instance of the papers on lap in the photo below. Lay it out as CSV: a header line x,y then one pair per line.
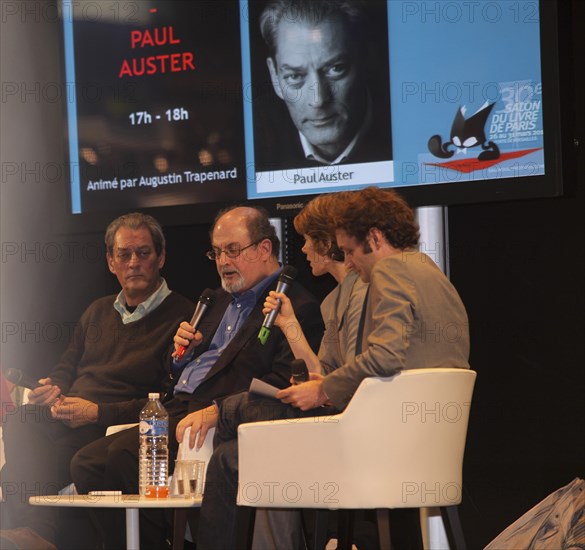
x,y
260,388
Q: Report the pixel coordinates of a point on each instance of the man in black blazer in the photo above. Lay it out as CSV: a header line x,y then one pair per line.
x,y
222,356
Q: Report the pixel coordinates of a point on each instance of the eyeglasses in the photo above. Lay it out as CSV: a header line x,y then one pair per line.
x,y
124,256
231,252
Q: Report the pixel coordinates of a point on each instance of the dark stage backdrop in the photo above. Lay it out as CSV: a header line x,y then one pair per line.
x,y
519,269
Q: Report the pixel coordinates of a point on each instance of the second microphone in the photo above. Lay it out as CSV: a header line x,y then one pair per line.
x,y
285,280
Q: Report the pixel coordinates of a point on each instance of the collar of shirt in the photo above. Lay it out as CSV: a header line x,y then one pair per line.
x,y
144,308
239,310
312,154
233,318
235,314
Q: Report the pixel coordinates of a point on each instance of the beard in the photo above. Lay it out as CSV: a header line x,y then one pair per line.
x,y
234,285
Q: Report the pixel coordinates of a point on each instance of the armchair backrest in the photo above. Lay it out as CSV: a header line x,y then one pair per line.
x,y
417,425
398,444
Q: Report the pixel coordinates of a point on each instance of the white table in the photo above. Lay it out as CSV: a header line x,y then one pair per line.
x,y
131,503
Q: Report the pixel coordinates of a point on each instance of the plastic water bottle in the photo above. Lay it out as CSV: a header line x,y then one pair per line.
x,y
154,450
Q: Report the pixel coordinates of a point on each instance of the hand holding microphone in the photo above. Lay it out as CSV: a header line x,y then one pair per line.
x,y
299,371
20,378
205,300
285,280
47,396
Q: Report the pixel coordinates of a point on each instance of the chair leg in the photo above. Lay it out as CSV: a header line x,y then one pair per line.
x,y
245,518
450,515
320,534
179,527
345,529
383,522
307,523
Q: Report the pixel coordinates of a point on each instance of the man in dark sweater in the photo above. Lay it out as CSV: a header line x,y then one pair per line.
x,y
116,356
221,359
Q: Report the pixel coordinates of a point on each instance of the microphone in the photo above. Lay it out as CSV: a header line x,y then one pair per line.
x,y
20,378
285,280
299,371
205,300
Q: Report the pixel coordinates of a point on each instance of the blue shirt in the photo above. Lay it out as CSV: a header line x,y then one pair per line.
x,y
234,317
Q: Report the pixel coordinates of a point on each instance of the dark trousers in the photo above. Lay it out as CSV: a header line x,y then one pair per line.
x,y
111,463
218,511
38,453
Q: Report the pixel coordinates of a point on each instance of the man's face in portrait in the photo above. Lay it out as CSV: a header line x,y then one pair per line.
x,y
316,72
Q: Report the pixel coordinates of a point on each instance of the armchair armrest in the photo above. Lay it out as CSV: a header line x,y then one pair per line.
x,y
119,428
290,461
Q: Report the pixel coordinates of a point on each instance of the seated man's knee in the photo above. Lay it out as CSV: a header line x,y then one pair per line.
x,y
238,409
123,446
232,406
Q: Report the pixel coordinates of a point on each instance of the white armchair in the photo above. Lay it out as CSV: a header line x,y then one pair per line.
x,y
398,444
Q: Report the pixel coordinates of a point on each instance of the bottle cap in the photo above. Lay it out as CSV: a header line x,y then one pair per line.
x,y
153,396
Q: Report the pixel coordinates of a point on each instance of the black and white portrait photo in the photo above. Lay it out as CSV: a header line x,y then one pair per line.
x,y
321,93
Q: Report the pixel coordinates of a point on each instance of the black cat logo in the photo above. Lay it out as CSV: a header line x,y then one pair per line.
x,y
467,133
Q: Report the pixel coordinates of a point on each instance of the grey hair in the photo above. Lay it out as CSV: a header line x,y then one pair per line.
x,y
136,220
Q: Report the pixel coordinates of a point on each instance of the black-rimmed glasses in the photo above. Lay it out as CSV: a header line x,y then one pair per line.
x,y
232,252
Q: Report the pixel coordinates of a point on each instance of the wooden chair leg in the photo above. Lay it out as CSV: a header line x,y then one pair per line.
x,y
417,530
320,533
307,523
245,518
450,515
383,522
345,529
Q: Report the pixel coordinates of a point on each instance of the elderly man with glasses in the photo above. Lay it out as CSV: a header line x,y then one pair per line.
x,y
222,356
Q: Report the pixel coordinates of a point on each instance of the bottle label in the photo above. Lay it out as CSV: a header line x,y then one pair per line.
x,y
154,427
